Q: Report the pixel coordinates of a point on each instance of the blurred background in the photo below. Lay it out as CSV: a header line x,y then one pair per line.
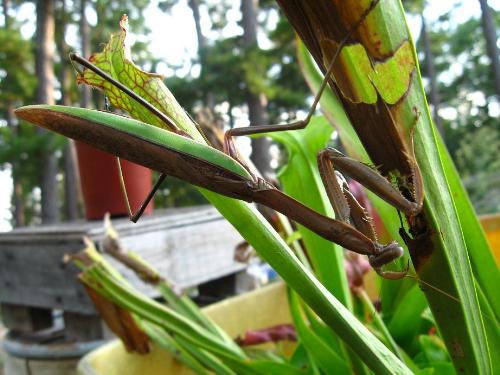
x,y
228,63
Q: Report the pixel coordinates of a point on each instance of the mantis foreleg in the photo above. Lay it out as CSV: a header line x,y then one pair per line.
x,y
348,209
368,177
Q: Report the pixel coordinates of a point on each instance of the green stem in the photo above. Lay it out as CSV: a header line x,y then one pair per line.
x,y
379,323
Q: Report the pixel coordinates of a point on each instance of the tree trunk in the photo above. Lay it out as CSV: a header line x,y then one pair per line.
x,y
491,42
202,41
69,157
208,96
45,95
431,72
86,97
256,101
17,194
7,20
17,191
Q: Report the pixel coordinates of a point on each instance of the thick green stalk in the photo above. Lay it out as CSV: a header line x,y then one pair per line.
x,y
273,249
378,82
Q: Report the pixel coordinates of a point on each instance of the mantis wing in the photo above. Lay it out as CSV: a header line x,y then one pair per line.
x,y
143,144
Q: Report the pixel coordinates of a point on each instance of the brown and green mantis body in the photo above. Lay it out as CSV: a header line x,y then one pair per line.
x,y
175,153
202,165
437,249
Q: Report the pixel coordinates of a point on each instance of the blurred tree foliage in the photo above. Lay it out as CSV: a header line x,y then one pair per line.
x,y
16,62
18,145
469,107
273,71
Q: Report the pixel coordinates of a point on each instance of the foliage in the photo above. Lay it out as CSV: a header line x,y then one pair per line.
x,y
289,89
479,168
405,323
19,146
441,267
16,67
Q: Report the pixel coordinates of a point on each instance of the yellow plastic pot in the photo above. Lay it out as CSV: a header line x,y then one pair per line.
x,y
259,309
491,226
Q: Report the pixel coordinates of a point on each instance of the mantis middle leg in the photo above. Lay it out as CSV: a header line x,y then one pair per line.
x,y
133,216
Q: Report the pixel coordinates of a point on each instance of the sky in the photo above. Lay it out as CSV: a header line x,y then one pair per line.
x,y
173,39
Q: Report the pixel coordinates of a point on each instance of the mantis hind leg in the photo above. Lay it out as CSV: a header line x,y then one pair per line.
x,y
349,210
229,146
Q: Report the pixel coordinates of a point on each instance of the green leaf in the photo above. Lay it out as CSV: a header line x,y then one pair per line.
x,y
115,60
433,348
486,273
301,359
166,341
441,368
209,360
326,359
442,261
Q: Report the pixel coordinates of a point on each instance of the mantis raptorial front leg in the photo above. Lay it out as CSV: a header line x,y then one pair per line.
x,y
372,180
348,209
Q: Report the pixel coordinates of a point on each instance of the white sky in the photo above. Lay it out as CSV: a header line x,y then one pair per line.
x,y
173,39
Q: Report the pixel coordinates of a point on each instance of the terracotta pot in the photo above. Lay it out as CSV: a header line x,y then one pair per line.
x,y
101,185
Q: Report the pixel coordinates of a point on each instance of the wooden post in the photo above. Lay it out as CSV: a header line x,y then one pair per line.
x,y
24,318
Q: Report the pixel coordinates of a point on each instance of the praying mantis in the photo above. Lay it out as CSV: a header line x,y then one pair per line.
x,y
175,153
437,247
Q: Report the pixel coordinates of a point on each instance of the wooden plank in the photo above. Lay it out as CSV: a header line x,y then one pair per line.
x,y
188,246
39,277
189,255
